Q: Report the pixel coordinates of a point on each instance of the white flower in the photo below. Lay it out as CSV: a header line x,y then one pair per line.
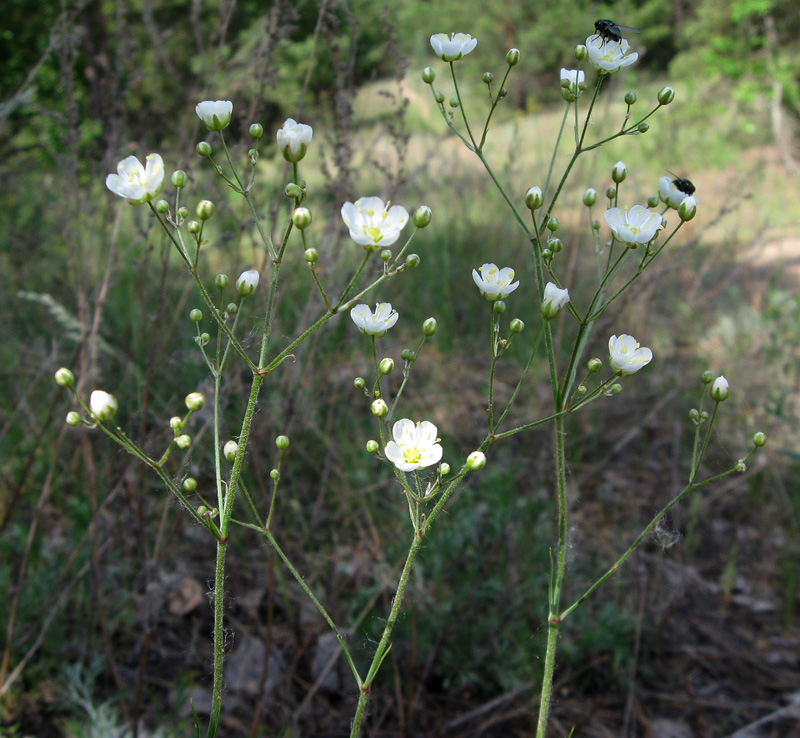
x,y
608,55
554,299
374,323
573,82
626,356
373,224
294,139
494,283
247,282
453,47
137,184
637,226
720,390
104,406
216,114
415,445
670,194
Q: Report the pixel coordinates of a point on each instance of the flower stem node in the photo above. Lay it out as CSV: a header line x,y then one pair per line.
x,y
499,307
359,383
229,450
104,406
183,441
516,326
301,218
256,131
534,198
64,377
195,315
580,52
193,227
216,114
178,178
73,418
162,207
379,408
720,390
619,172
630,98
205,209
590,197
666,95
247,283
760,439
414,445
594,365
386,366
311,256
422,216
195,401
428,75
512,57
429,326
373,446
554,299
204,148
190,484
282,442
487,78
221,281
476,460
452,47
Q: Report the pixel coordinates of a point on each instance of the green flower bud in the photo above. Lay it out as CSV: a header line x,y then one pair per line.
x,y
293,191
643,127
282,442
229,450
386,366
202,510
162,206
740,466
247,282
666,95
73,418
359,383
231,308
476,460
256,131
412,261
616,389
590,197
594,365
190,484
487,78
720,391
183,211
439,97
422,216
596,225
204,148
454,103
104,406
503,92
372,446
195,315
760,439
554,244
195,401
552,225
619,172
707,377
428,75
275,475
311,256
444,468
407,355
179,178
183,442
534,198
499,306
580,52
429,326
205,209
221,281
512,57
694,415
516,326
386,254
203,339
652,201
301,218
581,389
176,424
64,377
379,408
630,98
193,227
547,254
687,209
611,193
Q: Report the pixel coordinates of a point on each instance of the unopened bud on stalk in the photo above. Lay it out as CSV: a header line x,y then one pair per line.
x,y
760,439
590,197
103,405
476,460
372,446
516,326
454,102
183,442
183,211
652,201
274,474
386,254
204,148
256,131
247,282
666,95
301,218
195,401
189,484
720,390
162,206
412,261
594,365
740,467
619,172
439,97
73,418
687,209
178,178
611,193
630,98
221,281
229,450
534,198
429,326
193,227
643,127
552,225
422,216
428,75
487,78
386,366
499,306
512,57
231,308
707,377
554,244
359,383
64,377
282,442
205,209
379,408
195,315
175,423
311,256
444,468
293,191
616,389
580,52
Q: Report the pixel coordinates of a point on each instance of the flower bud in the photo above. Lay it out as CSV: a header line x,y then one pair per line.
x,y
616,389
476,460
594,365
301,217
428,75
386,366
73,418
611,193
412,261
516,326
590,197
221,281
190,484
694,415
372,446
64,377
687,209
104,406
454,103
162,206
643,127
195,315
630,98
386,254
205,209
175,423
444,468
760,439
193,227
707,377
293,191
247,282
311,256
407,355
256,131
274,474
720,390
652,201
439,97
581,390
666,95
183,442
229,450
502,92
552,225
534,198
422,216
282,442
499,307
619,172
512,57
487,78
204,148
580,52
555,245
379,408
203,339
740,466
202,510
359,383
429,326
183,211
231,308
195,401
179,178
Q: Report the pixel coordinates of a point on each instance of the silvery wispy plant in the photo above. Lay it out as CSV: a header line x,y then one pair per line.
x,y
410,447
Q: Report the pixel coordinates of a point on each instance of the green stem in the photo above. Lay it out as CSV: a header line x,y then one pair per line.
x,y
219,638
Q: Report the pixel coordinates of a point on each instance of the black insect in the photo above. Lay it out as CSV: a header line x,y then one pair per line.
x,y
683,185
608,30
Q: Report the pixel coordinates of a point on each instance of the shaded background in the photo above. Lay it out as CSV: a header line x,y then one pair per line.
x,y
103,583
